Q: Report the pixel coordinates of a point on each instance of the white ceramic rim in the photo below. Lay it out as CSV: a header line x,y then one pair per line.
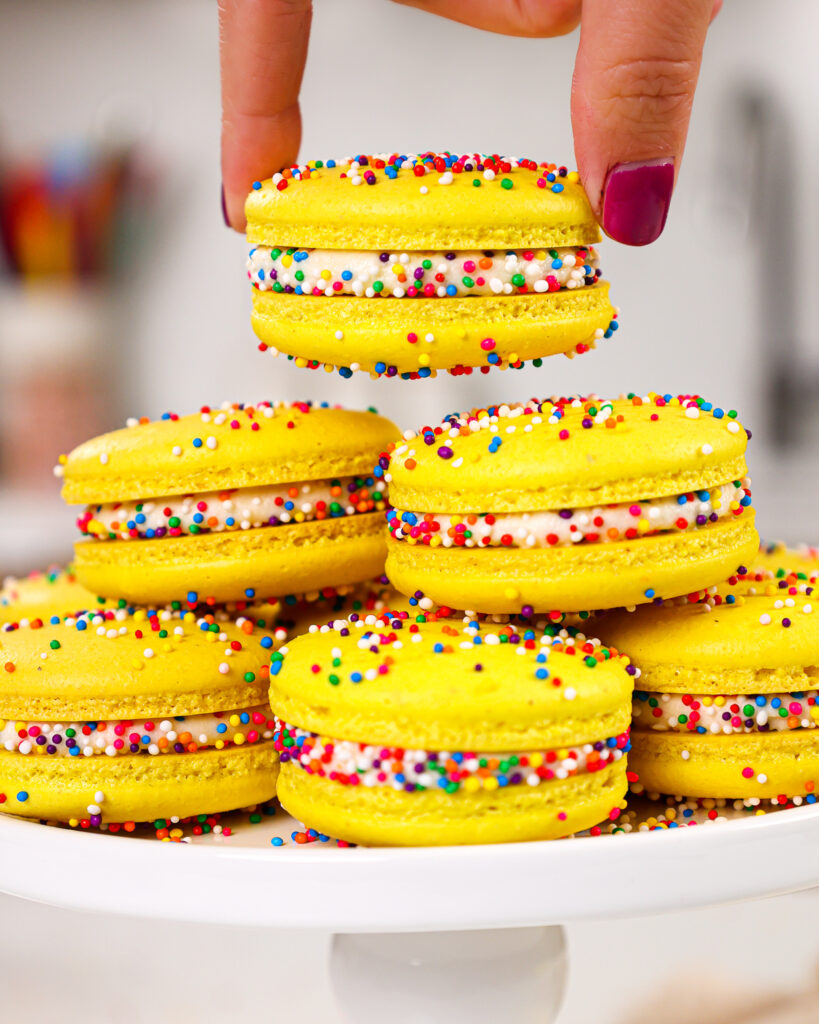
x,y
421,889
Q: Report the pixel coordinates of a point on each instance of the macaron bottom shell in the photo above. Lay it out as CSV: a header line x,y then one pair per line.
x,y
235,566
376,334
138,787
734,767
381,816
574,578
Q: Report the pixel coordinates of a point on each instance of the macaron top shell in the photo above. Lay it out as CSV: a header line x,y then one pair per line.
x,y
779,559
428,201
43,594
121,666
754,645
566,453
225,448
451,685
775,571
361,600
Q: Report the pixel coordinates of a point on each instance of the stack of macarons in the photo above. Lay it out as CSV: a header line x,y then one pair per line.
x,y
570,504
292,599
520,512
231,503
728,704
134,715
397,729
195,530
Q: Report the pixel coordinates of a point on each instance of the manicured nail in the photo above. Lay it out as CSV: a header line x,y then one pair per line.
x,y
636,198
224,209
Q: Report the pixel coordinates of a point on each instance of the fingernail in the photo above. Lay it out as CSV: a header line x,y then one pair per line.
x,y
636,198
224,209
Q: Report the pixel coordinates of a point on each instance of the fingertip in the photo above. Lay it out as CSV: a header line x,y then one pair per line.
x,y
632,94
253,149
263,47
233,209
233,201
225,217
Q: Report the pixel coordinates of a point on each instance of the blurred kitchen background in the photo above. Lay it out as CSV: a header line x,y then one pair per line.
x,y
122,294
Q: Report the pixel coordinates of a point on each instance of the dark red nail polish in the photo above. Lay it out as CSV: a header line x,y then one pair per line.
x,y
224,209
636,198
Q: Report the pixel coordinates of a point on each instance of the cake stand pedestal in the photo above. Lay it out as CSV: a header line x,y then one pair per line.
x,y
507,974
456,934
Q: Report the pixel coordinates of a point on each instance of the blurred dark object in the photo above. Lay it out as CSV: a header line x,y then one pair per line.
x,y
764,172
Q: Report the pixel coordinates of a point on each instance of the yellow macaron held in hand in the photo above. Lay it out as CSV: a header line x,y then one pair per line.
x,y
435,731
728,704
233,503
132,716
401,265
570,504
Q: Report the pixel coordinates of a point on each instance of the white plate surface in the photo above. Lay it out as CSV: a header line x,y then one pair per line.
x,y
242,879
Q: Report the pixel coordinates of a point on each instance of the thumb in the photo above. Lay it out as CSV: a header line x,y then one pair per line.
x,y
636,71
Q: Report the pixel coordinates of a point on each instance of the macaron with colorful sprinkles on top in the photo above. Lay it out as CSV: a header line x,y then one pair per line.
x,y
402,731
54,591
121,716
728,704
371,598
569,504
779,559
234,503
405,264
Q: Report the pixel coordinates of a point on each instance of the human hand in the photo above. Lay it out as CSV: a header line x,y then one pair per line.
x,y
632,92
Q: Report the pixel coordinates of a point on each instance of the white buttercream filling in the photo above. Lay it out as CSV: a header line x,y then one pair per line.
x,y
173,735
568,526
241,509
429,273
725,715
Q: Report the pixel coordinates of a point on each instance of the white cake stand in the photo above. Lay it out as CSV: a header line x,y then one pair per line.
x,y
422,935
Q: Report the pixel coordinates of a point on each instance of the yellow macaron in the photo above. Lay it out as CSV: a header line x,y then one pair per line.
x,y
728,704
118,716
238,502
569,504
41,595
435,731
430,262
763,577
780,559
364,599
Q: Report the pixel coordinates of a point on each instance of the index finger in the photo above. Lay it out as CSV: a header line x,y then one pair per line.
x,y
632,93
262,47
